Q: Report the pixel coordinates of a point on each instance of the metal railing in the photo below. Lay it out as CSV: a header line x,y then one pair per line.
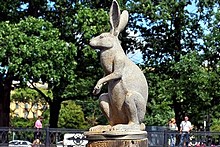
x,y
199,138
49,136
52,136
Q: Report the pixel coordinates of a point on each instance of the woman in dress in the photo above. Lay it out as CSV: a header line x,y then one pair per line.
x,y
173,127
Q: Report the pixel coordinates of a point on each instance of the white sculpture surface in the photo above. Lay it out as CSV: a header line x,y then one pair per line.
x,y
125,103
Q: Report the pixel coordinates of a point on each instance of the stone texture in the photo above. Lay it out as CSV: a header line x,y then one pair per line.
x,y
119,143
124,105
116,135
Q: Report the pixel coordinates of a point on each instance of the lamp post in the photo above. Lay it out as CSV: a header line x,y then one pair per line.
x,y
204,125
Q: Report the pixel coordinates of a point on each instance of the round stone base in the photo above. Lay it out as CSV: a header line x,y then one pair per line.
x,y
117,139
118,143
114,135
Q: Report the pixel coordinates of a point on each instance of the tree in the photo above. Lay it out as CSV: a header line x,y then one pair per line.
x,y
67,16
169,33
158,108
22,122
211,57
31,51
92,112
71,116
86,57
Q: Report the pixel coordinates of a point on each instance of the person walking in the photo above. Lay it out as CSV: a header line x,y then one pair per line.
x,y
37,133
173,127
185,128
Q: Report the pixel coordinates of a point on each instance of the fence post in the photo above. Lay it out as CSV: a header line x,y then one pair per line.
x,y
165,138
47,136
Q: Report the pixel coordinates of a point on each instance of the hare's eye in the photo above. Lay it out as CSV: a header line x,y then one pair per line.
x,y
101,37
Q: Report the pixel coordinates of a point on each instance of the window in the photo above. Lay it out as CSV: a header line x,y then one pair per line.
x,y
25,114
17,106
34,114
26,106
23,143
44,107
35,106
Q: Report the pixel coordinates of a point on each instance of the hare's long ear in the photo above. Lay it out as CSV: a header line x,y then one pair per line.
x,y
123,20
114,17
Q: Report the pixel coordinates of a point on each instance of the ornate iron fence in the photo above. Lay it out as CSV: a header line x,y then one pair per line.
x,y
197,139
50,137
53,137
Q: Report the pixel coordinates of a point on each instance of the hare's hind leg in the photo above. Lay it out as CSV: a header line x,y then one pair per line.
x,y
134,107
104,104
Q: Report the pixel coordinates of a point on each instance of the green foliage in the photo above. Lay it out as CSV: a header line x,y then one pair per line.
x,y
27,95
92,112
17,122
37,51
192,87
71,116
215,127
158,114
32,51
158,108
22,122
175,57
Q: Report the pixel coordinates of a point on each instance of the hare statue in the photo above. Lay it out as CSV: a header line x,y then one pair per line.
x,y
125,103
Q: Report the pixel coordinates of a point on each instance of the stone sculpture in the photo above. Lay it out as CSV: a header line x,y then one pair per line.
x,y
125,103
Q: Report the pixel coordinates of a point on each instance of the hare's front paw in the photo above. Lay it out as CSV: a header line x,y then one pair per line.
x,y
97,89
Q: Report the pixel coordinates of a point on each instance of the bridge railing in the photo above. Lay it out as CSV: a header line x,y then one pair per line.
x,y
52,136
49,136
197,138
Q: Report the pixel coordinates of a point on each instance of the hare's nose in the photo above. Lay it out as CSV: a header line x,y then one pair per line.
x,y
91,43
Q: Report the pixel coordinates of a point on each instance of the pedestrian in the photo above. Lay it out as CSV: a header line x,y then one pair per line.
x,y
185,128
173,127
37,133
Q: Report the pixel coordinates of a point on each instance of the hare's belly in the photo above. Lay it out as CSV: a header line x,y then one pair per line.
x,y
117,98
136,82
117,93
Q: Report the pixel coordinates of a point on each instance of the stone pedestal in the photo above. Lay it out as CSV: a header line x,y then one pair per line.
x,y
117,139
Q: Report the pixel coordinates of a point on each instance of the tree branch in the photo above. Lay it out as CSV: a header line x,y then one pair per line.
x,y
47,98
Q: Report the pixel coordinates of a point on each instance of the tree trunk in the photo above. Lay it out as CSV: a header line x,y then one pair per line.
x,y
54,113
177,111
178,49
5,90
